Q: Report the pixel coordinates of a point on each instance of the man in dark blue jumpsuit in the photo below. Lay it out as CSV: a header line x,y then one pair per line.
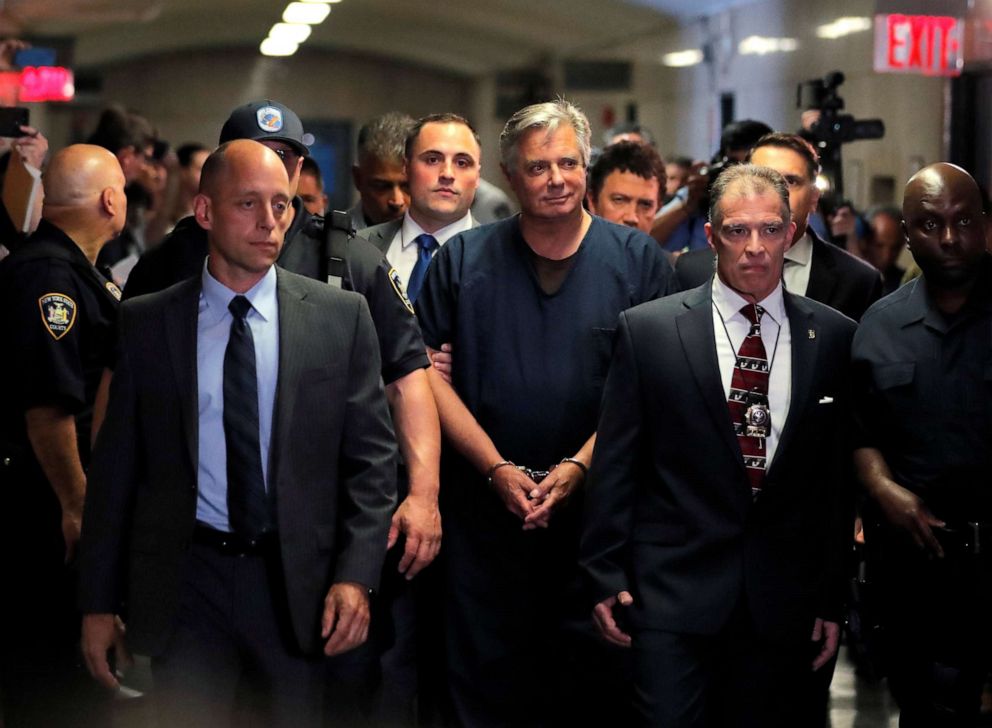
x,y
529,304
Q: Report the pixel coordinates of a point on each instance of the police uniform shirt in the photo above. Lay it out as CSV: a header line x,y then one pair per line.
x,y
58,327
924,395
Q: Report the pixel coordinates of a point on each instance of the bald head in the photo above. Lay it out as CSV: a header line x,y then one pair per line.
x,y
944,225
78,174
244,204
84,196
235,160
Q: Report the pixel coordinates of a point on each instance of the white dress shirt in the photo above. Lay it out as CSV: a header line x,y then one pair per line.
x,y
776,335
798,261
403,251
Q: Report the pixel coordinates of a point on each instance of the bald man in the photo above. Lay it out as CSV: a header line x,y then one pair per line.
x,y
922,360
244,477
58,332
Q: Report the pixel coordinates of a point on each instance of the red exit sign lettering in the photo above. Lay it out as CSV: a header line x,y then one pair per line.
x,y
930,45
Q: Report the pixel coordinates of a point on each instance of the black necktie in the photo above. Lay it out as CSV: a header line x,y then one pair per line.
x,y
247,506
426,245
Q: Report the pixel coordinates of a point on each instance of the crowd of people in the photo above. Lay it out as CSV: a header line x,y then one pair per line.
x,y
591,455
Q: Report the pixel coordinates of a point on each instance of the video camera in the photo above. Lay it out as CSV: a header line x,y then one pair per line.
x,y
833,127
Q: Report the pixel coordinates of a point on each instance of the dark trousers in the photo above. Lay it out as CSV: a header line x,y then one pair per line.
x,y
232,659
43,681
937,632
520,643
734,678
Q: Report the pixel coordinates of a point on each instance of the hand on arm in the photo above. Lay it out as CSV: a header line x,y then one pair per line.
x,y
345,623
419,435
52,433
902,508
441,361
606,622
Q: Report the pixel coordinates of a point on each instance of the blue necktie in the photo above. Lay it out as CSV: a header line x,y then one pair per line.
x,y
247,506
426,245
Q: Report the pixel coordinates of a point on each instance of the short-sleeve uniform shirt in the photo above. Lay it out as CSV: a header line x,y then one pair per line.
x,y
924,395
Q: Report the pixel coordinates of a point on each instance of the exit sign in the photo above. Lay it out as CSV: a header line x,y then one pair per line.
x,y
931,45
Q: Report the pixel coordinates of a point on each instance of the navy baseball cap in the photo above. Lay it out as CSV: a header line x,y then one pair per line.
x,y
268,119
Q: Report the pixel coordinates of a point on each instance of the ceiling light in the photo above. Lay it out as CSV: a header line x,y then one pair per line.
x,y
843,26
309,13
277,47
681,59
760,45
290,32
321,2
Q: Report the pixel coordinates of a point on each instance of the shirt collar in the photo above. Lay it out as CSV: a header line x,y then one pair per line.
x,y
215,297
410,230
801,252
729,302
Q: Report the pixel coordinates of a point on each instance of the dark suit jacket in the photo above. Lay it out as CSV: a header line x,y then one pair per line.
x,y
331,459
381,235
669,513
836,278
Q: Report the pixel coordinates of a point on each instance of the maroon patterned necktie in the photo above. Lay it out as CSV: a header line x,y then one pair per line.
x,y
748,401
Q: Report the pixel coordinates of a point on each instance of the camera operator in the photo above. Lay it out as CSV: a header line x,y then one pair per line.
x,y
679,225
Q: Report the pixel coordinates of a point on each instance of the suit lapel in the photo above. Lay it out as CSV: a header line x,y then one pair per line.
x,y
822,275
291,321
805,345
695,328
180,324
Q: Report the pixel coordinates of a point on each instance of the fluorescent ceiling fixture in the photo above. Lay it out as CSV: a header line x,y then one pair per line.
x,y
277,47
843,26
290,32
680,59
309,13
760,45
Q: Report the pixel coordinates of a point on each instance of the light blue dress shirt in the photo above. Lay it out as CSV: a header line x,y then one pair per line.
x,y
213,329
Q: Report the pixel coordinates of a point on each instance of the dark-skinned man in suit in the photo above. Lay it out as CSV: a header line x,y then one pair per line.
x,y
718,503
240,551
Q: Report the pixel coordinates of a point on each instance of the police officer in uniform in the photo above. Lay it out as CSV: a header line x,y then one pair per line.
x,y
57,322
923,358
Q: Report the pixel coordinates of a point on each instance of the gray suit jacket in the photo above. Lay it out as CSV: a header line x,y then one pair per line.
x,y
332,459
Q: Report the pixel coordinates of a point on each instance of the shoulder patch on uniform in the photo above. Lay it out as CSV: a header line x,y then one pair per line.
x,y
394,278
114,290
58,313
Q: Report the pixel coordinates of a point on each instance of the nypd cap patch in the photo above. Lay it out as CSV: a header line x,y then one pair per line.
x,y
269,119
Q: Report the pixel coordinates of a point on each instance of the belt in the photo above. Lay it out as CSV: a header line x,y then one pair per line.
x,y
970,538
234,544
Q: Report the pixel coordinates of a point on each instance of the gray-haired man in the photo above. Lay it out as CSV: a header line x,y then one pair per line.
x,y
529,304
